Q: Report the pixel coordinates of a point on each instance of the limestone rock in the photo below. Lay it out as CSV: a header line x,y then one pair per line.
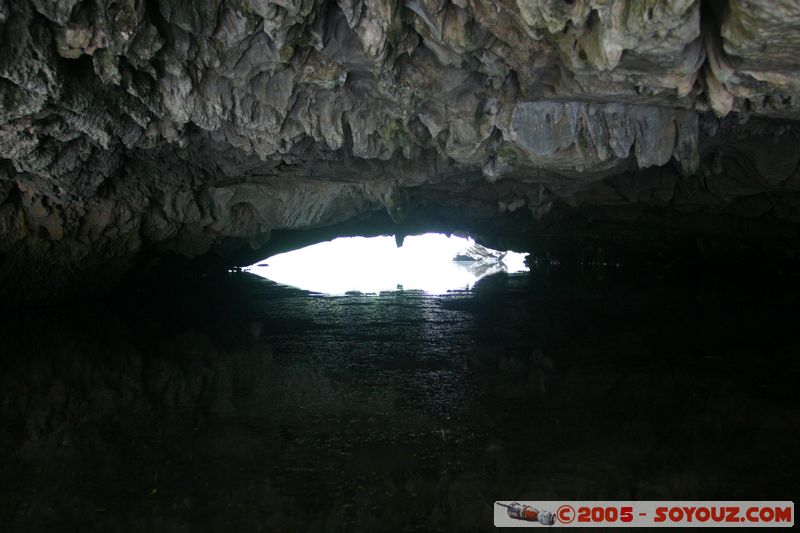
x,y
133,130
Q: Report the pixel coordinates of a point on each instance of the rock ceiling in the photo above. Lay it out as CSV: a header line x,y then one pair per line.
x,y
132,129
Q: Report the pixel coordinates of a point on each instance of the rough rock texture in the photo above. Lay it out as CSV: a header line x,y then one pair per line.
x,y
132,130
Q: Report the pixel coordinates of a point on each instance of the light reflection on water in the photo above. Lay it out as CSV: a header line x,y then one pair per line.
x,y
375,264
232,403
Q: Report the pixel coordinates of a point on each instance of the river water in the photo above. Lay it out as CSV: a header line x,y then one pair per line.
x,y
238,404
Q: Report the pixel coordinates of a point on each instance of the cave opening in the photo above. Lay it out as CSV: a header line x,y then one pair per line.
x,y
434,263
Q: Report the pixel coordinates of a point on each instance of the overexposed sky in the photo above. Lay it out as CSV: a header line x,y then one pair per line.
x,y
374,264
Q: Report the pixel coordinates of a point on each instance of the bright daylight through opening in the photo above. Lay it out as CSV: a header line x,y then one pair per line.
x,y
432,263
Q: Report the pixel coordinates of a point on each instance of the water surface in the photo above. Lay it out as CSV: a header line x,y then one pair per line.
x,y
238,404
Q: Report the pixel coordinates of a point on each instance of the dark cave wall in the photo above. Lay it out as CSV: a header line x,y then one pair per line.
x,y
134,132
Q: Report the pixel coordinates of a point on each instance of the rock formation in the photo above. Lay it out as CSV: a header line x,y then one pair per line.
x,y
222,130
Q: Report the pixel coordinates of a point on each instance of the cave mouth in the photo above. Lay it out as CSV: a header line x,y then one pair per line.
x,y
433,263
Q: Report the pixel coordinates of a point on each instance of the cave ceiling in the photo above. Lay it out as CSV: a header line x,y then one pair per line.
x,y
227,129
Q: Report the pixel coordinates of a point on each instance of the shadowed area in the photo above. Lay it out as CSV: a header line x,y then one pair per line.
x,y
236,403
